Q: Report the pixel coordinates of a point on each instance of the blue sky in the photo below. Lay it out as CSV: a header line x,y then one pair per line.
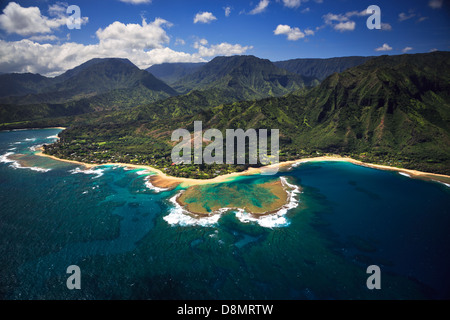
x,y
34,36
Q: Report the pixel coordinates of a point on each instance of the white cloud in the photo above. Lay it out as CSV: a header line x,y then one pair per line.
x,y
292,3
58,9
293,34
330,18
435,4
262,5
134,36
227,11
27,21
199,43
433,50
143,44
296,3
406,49
179,41
46,37
222,49
345,26
357,13
136,1
306,10
422,19
51,60
161,55
384,47
404,16
386,26
204,17
309,32
342,22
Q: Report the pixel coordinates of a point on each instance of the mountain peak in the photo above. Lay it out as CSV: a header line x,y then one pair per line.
x,y
93,77
237,60
241,76
96,61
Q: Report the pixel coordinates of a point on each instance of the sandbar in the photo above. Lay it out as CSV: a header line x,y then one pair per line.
x,y
274,198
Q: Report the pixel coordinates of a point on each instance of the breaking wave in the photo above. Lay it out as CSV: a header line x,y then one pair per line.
x,y
181,217
404,174
97,172
149,185
16,165
276,219
36,147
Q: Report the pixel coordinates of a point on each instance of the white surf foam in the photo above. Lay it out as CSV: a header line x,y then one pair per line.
x,y
181,217
16,165
269,221
4,158
296,164
149,185
141,172
97,172
404,174
36,147
276,219
52,137
445,184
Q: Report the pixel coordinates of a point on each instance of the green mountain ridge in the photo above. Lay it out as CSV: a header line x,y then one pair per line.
x,y
309,68
94,77
392,110
320,68
99,84
244,77
16,84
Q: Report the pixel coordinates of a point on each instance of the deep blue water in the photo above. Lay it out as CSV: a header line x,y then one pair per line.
x,y
131,243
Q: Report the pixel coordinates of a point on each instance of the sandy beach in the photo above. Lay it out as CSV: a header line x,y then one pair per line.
x,y
162,180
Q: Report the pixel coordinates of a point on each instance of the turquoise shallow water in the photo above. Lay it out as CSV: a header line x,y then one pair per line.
x,y
133,243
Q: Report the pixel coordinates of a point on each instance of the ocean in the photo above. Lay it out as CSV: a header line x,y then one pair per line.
x,y
133,241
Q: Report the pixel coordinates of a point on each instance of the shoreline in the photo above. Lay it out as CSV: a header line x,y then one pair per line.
x,y
162,180
25,129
